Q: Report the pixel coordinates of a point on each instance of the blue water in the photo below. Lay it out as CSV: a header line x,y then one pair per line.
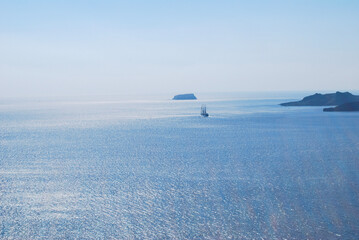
x,y
112,168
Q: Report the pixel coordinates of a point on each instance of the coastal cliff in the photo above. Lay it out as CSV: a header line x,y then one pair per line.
x,y
346,107
331,99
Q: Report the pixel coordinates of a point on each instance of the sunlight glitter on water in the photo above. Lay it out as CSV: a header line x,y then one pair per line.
x,y
158,170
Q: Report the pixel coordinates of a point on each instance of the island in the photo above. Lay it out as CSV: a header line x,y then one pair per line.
x,y
346,107
330,99
187,96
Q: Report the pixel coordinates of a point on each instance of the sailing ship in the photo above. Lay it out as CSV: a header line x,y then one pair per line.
x,y
204,111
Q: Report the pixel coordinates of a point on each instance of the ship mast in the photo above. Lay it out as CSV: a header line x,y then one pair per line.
x,y
204,111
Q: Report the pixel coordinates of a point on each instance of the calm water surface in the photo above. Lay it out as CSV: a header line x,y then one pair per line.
x,y
133,169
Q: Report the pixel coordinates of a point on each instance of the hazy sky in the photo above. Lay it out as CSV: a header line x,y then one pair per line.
x,y
50,48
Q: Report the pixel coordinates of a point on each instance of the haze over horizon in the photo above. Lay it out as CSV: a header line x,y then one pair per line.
x,y
119,47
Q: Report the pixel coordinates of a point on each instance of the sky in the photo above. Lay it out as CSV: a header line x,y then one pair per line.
x,y
78,47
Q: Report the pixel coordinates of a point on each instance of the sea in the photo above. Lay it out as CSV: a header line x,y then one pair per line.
x,y
114,167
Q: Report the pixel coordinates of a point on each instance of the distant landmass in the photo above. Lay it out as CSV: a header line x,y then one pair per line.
x,y
346,107
331,99
187,96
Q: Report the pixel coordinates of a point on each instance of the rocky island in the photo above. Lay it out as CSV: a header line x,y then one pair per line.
x,y
346,107
188,96
331,99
